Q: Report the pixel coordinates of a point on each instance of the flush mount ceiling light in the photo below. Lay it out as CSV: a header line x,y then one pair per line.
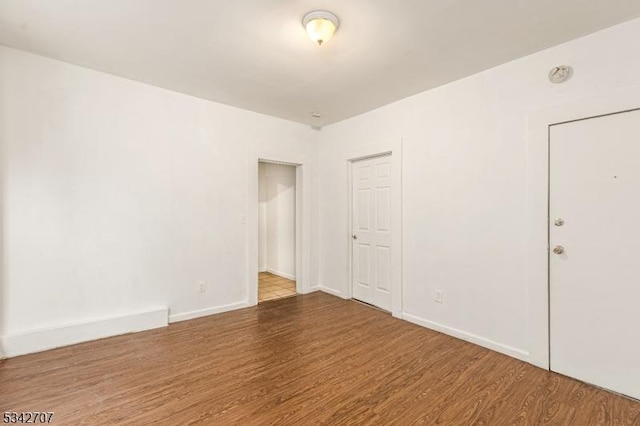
x,y
320,25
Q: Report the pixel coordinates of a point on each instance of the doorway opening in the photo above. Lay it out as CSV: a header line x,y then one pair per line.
x,y
276,230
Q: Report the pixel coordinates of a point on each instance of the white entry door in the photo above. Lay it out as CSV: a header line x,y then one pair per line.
x,y
371,226
594,233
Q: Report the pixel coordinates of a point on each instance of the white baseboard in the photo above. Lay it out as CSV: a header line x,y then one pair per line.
x,y
183,316
472,338
281,274
330,291
43,339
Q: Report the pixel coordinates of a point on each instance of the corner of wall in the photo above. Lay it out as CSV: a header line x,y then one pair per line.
x,y
331,291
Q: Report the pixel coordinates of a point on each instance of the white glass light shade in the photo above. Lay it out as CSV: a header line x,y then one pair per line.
x,y
320,25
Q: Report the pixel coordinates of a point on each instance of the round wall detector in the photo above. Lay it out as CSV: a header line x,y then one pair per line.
x,y
560,74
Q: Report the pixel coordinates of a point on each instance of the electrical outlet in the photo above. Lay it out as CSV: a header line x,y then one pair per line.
x,y
201,287
439,296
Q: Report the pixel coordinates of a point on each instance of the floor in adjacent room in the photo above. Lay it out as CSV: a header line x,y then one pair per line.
x,y
310,359
271,286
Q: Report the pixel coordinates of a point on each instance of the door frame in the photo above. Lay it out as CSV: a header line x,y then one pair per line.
x,y
394,149
538,191
303,231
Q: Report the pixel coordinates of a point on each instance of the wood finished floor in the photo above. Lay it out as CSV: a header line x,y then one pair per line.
x,y
312,359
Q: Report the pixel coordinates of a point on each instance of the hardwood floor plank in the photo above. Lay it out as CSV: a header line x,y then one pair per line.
x,y
312,359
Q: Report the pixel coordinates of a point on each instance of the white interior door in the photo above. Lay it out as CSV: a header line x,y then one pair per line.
x,y
371,226
595,282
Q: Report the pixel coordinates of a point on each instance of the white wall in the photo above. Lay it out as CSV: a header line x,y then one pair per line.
x,y
278,219
464,184
120,197
262,217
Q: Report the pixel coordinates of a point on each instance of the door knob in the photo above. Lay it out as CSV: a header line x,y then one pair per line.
x,y
354,236
558,249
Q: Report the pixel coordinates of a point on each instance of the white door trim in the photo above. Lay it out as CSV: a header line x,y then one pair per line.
x,y
537,190
303,221
394,148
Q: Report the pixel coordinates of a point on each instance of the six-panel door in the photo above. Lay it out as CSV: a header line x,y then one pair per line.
x,y
371,227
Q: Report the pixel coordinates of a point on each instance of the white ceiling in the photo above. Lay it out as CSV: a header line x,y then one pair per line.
x,y
255,54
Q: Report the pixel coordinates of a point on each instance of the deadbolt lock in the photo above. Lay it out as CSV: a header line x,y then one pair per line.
x,y
558,222
558,249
